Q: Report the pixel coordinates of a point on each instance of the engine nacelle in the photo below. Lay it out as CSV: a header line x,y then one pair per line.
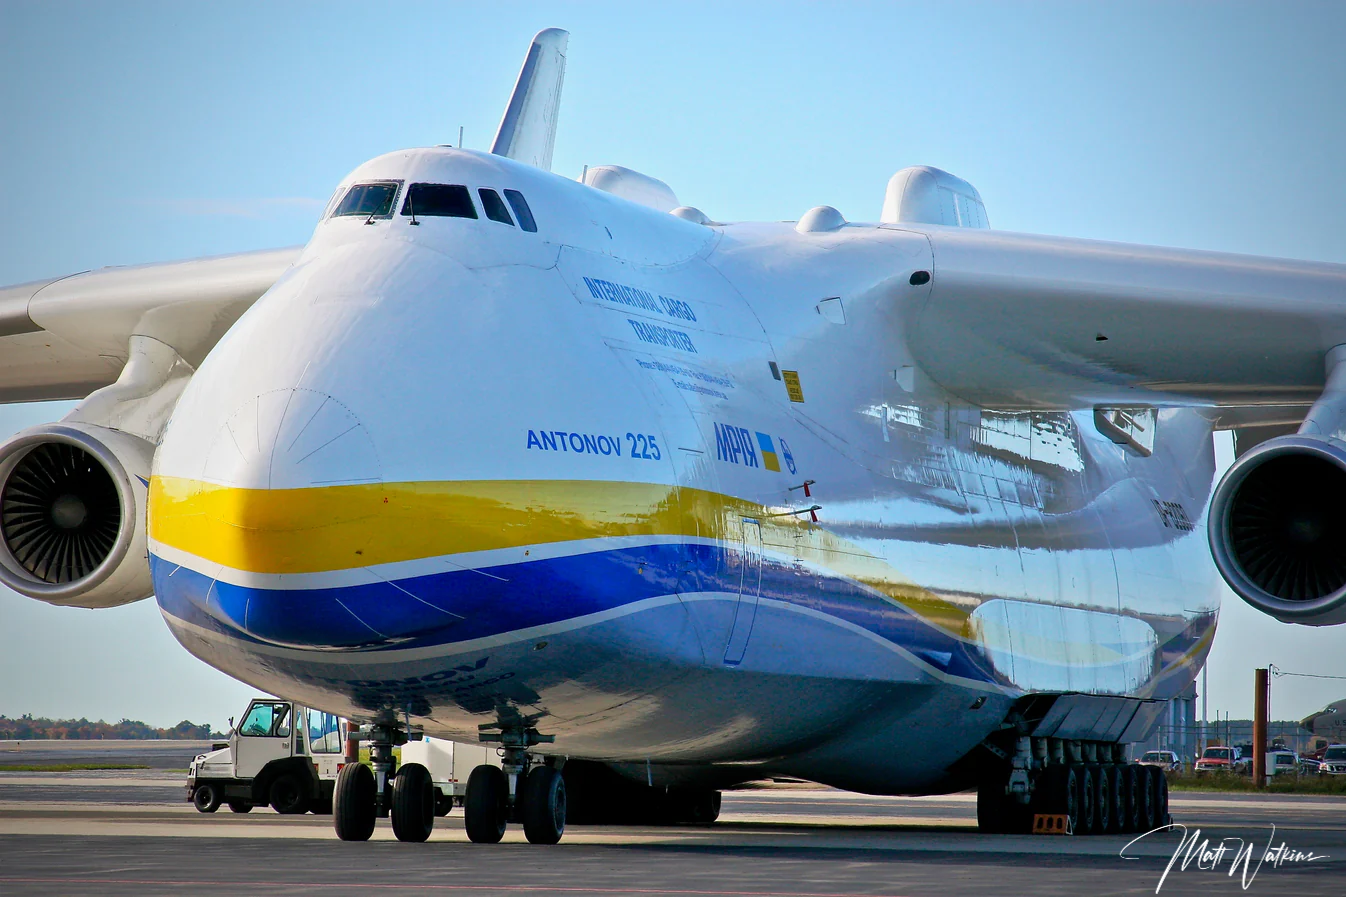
x,y
1278,529
72,515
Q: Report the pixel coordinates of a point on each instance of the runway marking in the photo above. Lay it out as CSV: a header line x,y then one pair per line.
x,y
89,782
370,886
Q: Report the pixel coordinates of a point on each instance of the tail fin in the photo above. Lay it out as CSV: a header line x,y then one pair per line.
x,y
528,130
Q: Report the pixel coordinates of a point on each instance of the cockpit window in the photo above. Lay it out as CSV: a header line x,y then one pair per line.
x,y
521,210
369,200
494,206
439,201
331,203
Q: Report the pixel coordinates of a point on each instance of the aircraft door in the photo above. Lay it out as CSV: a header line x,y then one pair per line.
x,y
749,563
264,735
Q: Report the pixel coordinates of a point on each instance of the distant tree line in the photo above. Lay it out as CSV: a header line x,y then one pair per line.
x,y
30,727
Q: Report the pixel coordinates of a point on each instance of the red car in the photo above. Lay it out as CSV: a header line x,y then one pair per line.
x,y
1218,759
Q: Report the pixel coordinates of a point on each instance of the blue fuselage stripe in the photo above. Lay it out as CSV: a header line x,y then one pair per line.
x,y
461,605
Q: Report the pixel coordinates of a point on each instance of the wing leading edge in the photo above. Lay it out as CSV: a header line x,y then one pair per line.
x,y
64,338
1032,321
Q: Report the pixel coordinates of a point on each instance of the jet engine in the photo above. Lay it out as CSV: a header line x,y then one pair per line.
x,y
72,515
1278,529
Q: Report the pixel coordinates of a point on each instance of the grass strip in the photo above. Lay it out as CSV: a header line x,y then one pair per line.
x,y
1282,784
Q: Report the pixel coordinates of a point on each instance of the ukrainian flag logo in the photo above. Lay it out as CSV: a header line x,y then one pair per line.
x,y
769,459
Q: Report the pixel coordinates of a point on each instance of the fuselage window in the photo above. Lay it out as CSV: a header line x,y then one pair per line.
x,y
521,210
369,200
494,206
439,201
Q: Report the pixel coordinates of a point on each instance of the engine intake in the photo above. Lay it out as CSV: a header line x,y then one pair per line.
x,y
1278,529
72,515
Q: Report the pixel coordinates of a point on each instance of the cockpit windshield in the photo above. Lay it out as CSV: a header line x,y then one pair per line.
x,y
369,200
439,201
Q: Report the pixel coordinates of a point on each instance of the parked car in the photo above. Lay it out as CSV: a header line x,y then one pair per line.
x,y
1168,761
1280,763
1308,766
1217,759
1334,761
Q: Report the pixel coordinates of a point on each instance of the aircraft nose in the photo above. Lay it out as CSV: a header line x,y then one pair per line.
x,y
279,535
291,439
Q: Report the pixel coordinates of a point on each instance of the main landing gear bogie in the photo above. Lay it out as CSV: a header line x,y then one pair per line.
x,y
1098,794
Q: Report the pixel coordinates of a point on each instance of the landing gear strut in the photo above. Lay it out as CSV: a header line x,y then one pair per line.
x,y
515,792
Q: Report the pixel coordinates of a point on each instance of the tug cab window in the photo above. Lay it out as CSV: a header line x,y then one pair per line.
x,y
368,200
438,201
521,210
324,732
267,720
494,206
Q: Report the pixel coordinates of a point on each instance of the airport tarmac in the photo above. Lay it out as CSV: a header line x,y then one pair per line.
x,y
132,832
156,753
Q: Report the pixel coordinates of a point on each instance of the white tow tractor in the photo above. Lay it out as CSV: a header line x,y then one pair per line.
x,y
283,755
287,756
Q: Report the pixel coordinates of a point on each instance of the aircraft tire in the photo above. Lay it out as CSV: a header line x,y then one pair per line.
x,y
1116,798
544,806
1061,794
486,808
353,803
413,810
1102,800
1161,814
695,806
207,797
992,807
1145,798
1088,796
1130,780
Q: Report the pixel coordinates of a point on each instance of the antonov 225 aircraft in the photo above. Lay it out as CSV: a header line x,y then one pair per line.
x,y
660,504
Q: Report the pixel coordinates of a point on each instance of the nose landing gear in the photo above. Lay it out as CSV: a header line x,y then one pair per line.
x,y
515,792
521,790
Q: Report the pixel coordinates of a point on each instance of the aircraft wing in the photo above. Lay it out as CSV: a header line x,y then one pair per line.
x,y
1033,321
64,338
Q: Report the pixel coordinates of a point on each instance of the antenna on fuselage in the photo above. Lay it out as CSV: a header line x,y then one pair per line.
x,y
460,136
527,131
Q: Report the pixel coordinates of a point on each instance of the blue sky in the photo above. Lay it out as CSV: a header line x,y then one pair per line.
x,y
138,132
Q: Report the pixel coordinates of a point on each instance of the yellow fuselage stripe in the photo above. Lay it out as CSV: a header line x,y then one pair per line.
x,y
331,528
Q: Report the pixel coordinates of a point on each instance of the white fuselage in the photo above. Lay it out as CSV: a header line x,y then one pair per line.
x,y
474,476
